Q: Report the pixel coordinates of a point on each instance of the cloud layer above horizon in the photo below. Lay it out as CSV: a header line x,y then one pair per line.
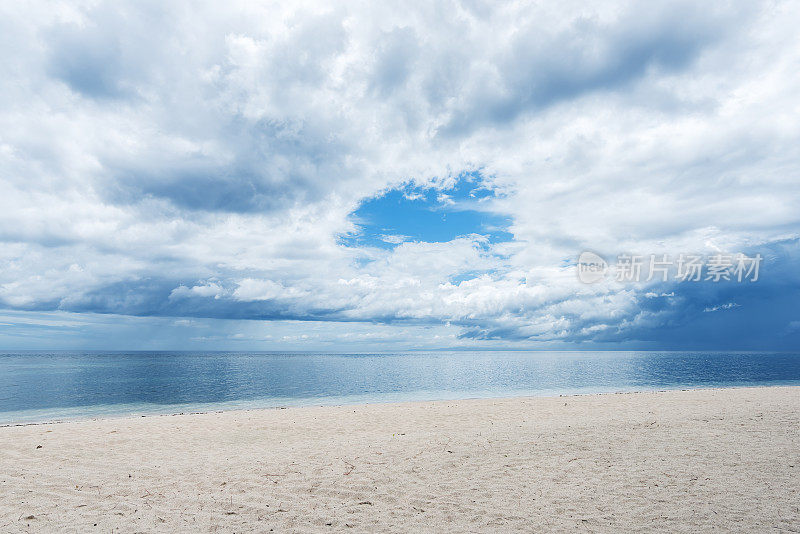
x,y
381,177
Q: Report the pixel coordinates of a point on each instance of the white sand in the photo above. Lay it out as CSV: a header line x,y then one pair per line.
x,y
677,461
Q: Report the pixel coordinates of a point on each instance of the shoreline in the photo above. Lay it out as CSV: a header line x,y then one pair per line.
x,y
676,460
189,411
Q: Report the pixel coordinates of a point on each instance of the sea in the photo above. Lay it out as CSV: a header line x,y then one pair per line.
x,y
46,386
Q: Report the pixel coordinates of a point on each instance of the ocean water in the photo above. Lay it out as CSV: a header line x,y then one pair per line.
x,y
46,386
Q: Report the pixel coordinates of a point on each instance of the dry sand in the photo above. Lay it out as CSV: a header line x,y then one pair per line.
x,y
669,461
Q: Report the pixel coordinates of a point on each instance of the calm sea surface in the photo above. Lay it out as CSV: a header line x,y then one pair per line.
x,y
42,386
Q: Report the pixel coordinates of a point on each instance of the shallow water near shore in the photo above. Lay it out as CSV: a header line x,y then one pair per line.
x,y
47,385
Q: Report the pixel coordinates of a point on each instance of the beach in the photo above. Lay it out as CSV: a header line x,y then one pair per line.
x,y
684,461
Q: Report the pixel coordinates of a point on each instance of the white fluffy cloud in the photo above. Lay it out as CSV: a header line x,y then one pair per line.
x,y
201,160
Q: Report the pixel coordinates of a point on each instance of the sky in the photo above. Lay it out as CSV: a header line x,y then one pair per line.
x,y
362,177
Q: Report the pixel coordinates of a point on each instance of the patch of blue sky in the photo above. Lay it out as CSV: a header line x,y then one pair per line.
x,y
470,275
432,213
